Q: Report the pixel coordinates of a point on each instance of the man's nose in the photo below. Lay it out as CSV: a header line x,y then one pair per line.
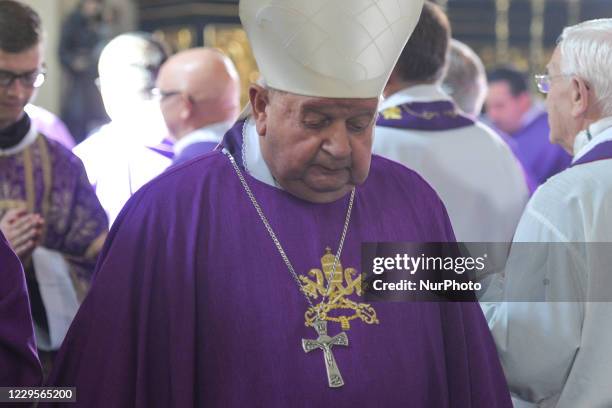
x,y
17,89
338,142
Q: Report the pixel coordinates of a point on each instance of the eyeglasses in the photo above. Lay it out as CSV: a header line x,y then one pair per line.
x,y
544,81
161,95
32,79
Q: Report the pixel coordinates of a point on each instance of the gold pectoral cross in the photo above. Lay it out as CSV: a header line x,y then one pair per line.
x,y
325,343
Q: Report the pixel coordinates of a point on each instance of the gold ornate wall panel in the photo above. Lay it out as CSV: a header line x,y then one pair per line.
x,y
179,38
232,40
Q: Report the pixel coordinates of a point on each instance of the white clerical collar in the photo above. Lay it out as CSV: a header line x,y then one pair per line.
x,y
600,131
417,93
211,133
29,138
252,158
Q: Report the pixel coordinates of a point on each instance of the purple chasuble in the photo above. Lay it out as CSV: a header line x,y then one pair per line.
x,y
540,158
48,179
192,305
431,116
602,151
19,366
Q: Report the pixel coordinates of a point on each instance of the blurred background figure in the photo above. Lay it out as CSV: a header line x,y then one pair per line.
x,y
84,33
199,95
523,123
476,175
129,151
466,78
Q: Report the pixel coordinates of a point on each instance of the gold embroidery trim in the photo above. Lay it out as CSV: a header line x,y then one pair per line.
x,y
47,180
393,113
9,204
28,170
429,115
96,246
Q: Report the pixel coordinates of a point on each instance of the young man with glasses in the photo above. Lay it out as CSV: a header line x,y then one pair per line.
x,y
48,211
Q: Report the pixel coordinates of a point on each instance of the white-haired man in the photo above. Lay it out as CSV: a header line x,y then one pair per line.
x,y
128,152
220,270
553,330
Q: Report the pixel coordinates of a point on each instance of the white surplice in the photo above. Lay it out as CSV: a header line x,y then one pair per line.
x,y
119,160
474,172
558,353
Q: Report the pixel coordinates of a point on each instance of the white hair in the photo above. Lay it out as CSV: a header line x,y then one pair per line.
x,y
586,51
466,79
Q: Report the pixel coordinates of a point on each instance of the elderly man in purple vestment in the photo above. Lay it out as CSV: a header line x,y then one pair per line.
x,y
19,364
523,124
48,211
199,92
220,274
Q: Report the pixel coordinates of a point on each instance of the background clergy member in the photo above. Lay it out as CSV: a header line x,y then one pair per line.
x,y
475,174
232,280
557,354
523,124
48,211
465,79
199,93
123,155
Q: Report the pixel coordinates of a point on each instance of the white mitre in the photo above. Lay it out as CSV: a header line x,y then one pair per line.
x,y
328,48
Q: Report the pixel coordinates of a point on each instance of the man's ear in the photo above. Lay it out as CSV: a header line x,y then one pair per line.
x,y
580,96
186,107
260,100
524,99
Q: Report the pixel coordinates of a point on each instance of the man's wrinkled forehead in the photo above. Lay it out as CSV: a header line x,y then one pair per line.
x,y
336,106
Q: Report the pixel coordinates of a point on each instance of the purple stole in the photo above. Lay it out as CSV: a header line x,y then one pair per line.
x,y
428,116
164,148
602,151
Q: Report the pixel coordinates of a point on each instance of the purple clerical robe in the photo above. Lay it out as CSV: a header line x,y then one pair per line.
x,y
48,179
192,305
19,366
540,158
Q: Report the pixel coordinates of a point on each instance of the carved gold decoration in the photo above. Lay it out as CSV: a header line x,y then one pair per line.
x,y
336,307
178,38
233,41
